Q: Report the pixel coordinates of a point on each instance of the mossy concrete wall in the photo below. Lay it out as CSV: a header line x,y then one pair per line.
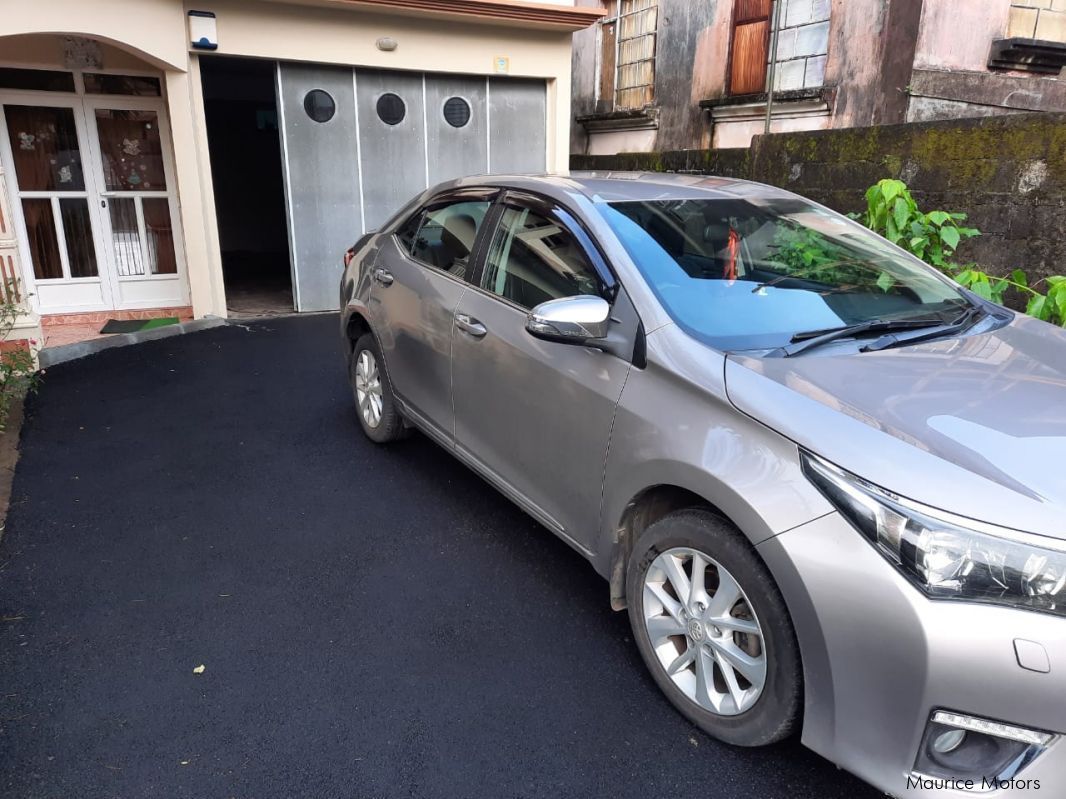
x,y
1008,173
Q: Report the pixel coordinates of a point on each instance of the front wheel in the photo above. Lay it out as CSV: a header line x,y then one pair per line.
x,y
713,629
374,401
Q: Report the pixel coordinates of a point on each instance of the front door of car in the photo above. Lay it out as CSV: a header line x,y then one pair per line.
x,y
535,416
418,279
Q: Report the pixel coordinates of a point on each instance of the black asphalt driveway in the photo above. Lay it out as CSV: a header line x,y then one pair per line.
x,y
372,622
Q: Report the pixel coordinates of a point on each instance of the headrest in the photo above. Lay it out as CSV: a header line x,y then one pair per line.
x,y
460,229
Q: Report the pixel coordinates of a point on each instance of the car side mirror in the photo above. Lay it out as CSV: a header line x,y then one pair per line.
x,y
571,320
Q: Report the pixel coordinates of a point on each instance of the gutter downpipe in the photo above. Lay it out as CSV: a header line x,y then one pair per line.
x,y
775,29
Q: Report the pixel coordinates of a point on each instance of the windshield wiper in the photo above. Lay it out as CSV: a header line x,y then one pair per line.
x,y
809,339
961,322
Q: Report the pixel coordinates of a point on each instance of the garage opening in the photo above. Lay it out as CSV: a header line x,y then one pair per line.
x,y
240,104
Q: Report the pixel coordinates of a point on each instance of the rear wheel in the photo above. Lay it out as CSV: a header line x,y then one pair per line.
x,y
374,400
713,629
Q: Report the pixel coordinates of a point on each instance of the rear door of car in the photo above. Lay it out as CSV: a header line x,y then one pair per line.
x,y
535,416
418,280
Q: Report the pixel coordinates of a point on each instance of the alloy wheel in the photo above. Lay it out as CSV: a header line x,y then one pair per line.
x,y
368,388
704,631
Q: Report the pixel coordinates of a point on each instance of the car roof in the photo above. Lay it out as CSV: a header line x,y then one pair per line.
x,y
606,187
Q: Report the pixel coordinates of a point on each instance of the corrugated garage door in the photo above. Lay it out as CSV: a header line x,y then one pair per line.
x,y
358,143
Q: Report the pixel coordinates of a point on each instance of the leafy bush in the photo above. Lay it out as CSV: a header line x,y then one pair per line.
x,y
935,236
17,368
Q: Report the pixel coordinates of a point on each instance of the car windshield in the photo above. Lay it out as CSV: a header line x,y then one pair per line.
x,y
752,273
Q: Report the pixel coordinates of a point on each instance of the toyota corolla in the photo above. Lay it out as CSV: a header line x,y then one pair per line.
x,y
825,481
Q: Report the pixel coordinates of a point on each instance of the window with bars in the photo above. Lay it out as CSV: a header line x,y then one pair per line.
x,y
627,55
802,47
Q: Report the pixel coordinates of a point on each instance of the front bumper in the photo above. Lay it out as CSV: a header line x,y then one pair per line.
x,y
879,657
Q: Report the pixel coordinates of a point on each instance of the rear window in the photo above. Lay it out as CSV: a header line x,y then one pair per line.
x,y
443,236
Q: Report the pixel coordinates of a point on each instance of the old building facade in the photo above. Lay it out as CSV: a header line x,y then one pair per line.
x,y
657,75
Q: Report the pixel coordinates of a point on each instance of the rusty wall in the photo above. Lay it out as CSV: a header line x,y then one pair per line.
x,y
692,52
889,61
1008,173
871,51
870,55
583,69
678,71
951,78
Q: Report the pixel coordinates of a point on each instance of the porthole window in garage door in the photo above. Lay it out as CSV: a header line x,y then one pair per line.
x,y
456,112
391,109
319,105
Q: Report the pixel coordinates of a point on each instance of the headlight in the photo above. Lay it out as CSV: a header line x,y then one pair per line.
x,y
948,557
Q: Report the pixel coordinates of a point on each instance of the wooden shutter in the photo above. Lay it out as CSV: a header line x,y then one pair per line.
x,y
608,50
750,46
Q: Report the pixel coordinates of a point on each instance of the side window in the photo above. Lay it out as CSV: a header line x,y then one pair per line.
x,y
407,233
534,259
443,236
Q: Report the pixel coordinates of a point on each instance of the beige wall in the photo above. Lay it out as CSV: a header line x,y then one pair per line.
x,y
1038,19
47,50
155,30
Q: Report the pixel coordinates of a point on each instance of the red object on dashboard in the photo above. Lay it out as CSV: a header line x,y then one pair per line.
x,y
730,271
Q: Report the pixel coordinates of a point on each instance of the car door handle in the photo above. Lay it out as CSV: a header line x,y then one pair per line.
x,y
470,325
383,276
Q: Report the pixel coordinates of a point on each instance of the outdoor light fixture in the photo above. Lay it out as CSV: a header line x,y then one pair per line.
x,y
387,44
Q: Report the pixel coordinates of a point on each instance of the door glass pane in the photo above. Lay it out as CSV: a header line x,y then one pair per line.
x,y
139,85
44,247
44,145
41,80
125,236
131,149
534,259
78,232
160,235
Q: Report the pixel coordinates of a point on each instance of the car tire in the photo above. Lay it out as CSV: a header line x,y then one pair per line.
x,y
775,707
375,404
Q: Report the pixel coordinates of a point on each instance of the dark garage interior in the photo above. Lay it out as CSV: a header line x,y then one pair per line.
x,y
246,168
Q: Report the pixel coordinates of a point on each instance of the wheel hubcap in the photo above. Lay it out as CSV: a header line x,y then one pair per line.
x,y
704,631
368,388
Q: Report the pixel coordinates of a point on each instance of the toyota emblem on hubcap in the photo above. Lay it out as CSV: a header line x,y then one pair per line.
x,y
695,630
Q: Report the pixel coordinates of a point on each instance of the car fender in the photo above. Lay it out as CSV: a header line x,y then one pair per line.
x,y
675,426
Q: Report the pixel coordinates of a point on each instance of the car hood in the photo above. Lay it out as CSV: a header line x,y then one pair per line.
x,y
973,425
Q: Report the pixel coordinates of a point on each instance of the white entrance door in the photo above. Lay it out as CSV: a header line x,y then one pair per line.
x,y
54,194
94,189
135,180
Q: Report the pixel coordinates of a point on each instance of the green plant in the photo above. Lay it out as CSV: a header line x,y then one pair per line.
x,y
18,371
1050,306
935,236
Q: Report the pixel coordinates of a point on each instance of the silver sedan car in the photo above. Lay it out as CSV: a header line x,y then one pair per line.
x,y
826,482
